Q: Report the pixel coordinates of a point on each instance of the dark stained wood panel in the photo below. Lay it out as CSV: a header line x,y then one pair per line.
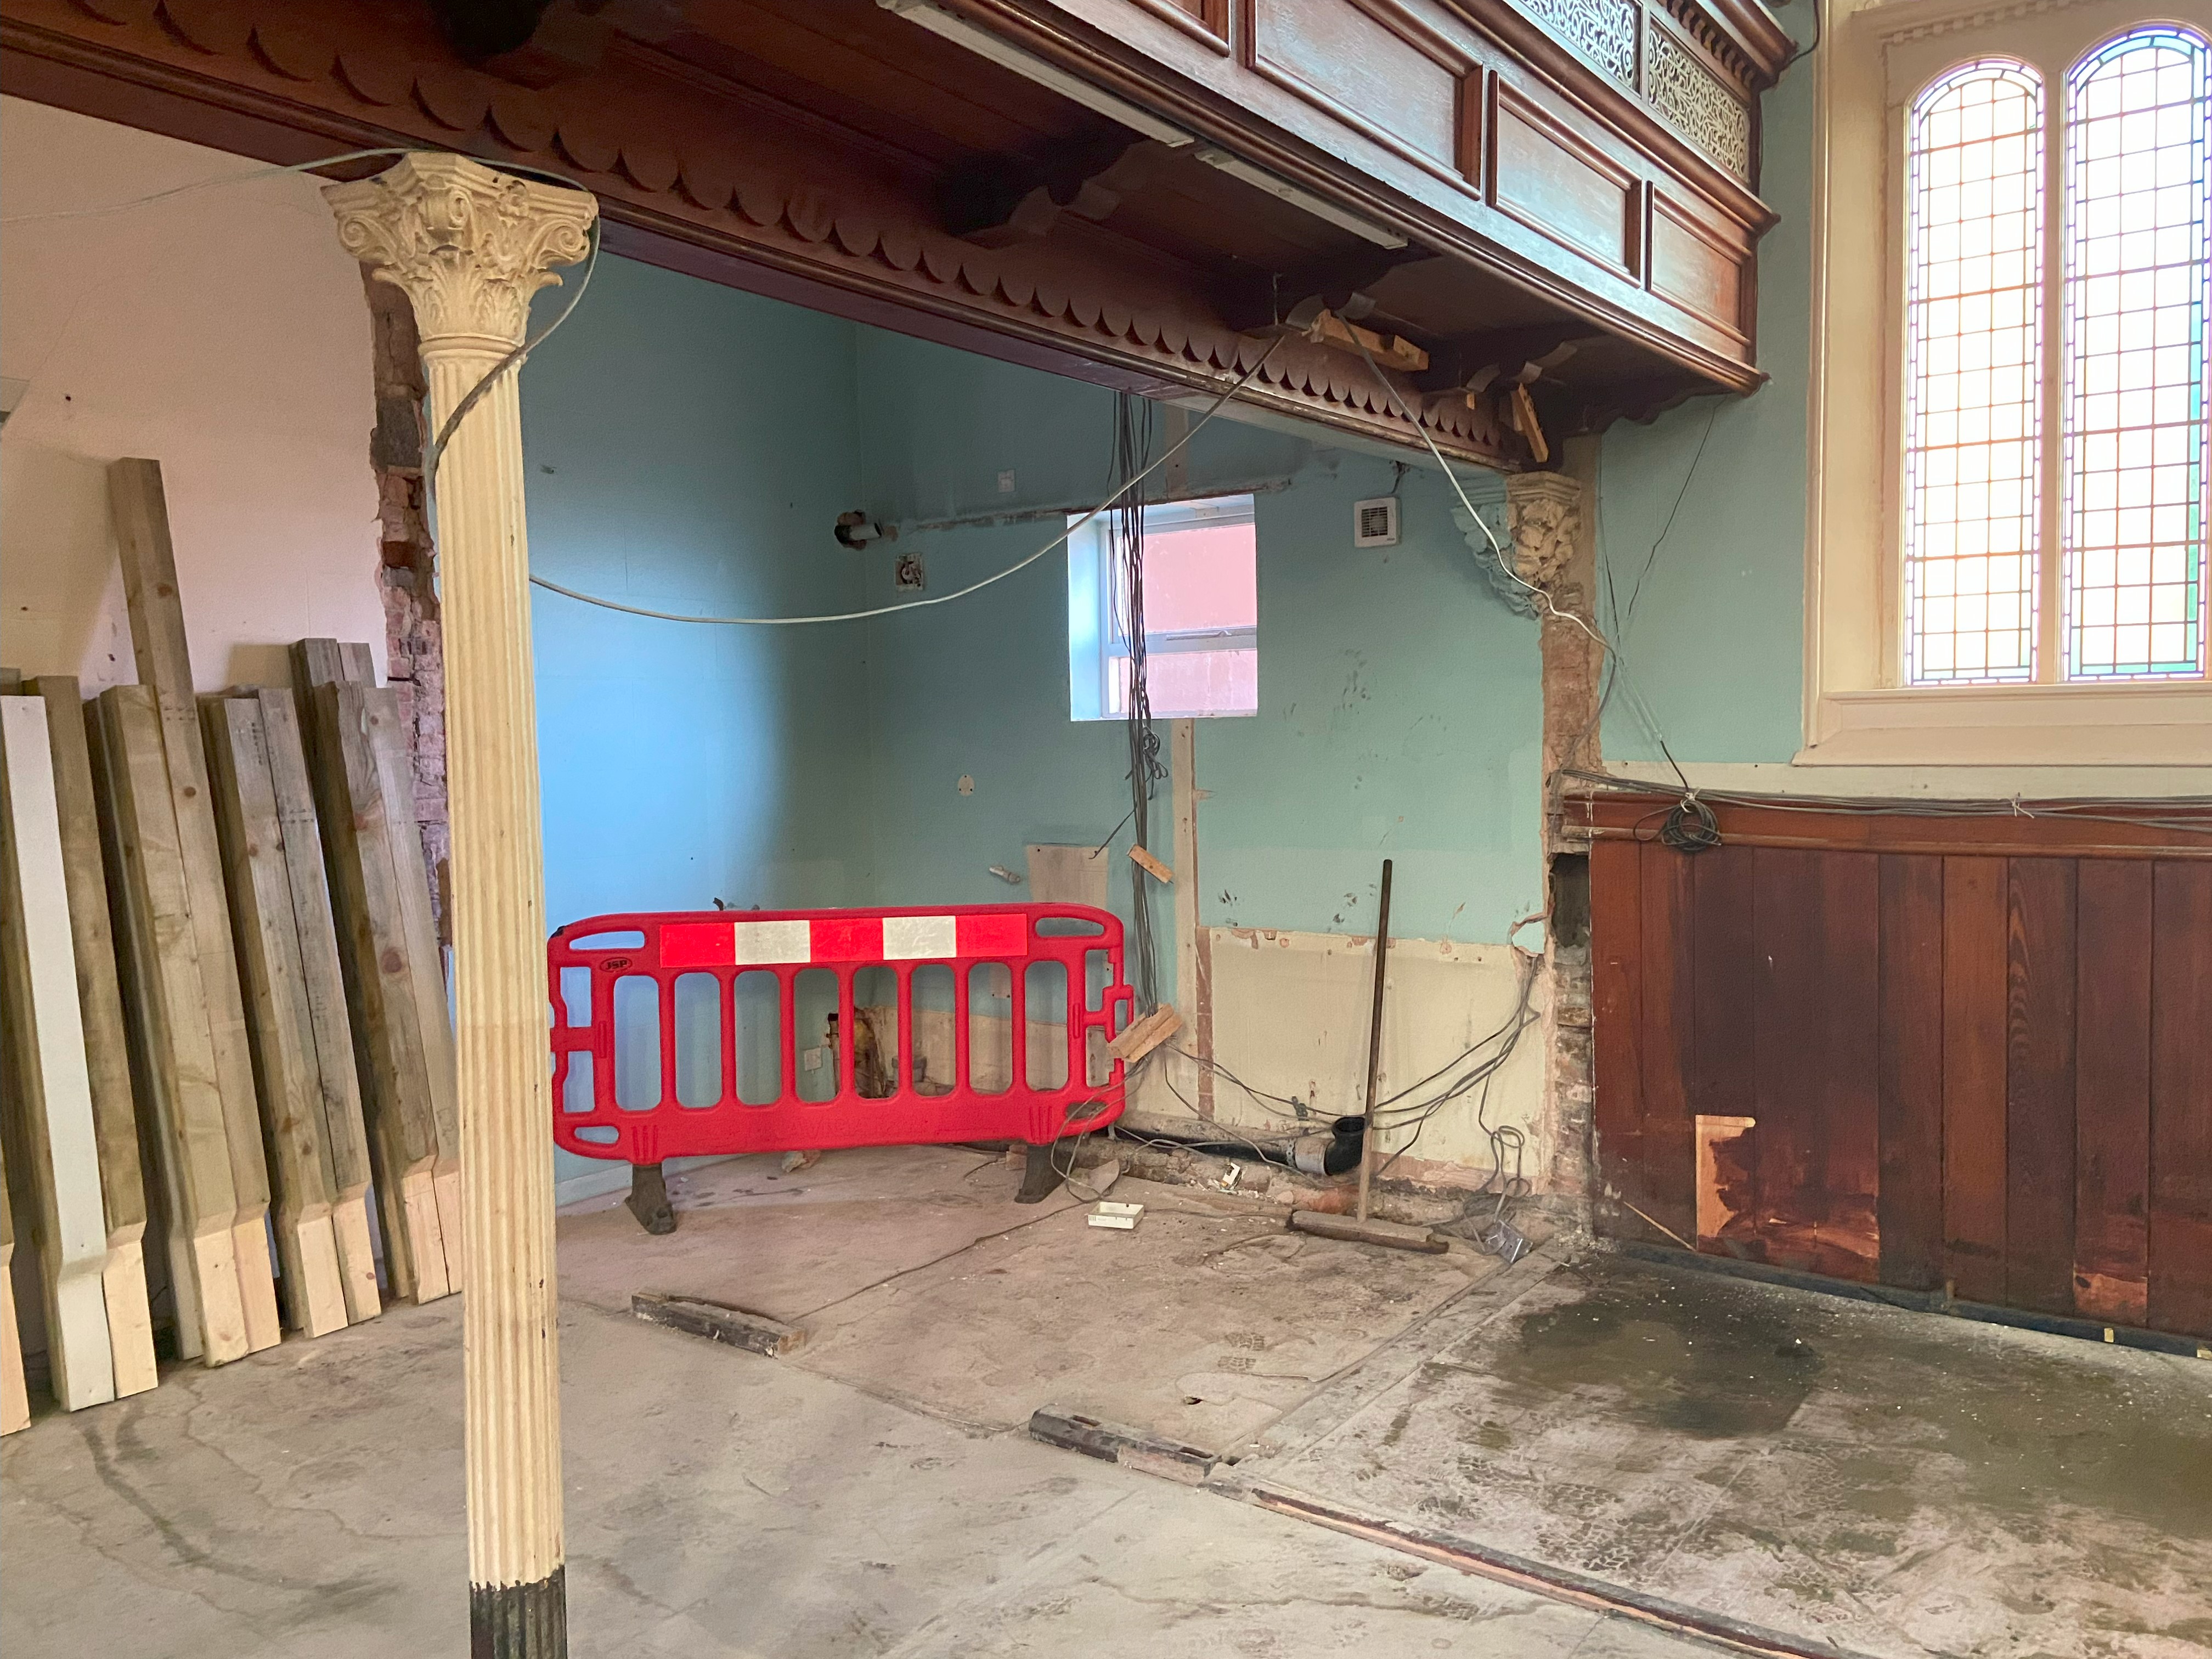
x,y
2180,1265
1975,979
1559,186
1367,65
1617,1019
1910,1204
2041,974
1693,268
1849,1244
1928,1067
1786,1045
2111,1090
1668,1049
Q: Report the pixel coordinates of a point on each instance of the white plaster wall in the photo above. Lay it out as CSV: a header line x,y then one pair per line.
x,y
222,333
1290,1014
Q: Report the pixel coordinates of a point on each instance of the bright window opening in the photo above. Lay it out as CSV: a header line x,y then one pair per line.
x,y
2070,548
1202,610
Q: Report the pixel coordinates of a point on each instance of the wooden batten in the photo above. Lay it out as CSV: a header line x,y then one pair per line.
x,y
345,1139
107,1059
165,1009
277,1019
157,636
395,987
15,1396
52,1152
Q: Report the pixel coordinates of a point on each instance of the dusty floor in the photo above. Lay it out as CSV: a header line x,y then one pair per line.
x,y
1894,1483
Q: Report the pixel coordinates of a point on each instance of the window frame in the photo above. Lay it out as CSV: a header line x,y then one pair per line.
x,y
1094,630
1859,710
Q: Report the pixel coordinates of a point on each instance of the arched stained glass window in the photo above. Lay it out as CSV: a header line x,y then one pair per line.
x,y
1973,378
2058,281
2138,284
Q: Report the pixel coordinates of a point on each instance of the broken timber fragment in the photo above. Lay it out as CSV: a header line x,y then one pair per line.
x,y
166,1015
53,1154
157,636
1151,865
277,1022
1145,1034
1112,1442
717,1322
106,1042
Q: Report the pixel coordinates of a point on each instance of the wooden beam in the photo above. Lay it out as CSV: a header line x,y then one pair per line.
x,y
277,1019
107,1047
15,1397
380,970
157,635
323,981
52,1152
166,1005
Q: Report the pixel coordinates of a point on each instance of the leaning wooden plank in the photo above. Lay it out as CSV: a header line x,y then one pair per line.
x,y
52,1151
138,977
323,983
283,1034
15,1397
157,636
419,932
107,1058
381,998
169,1007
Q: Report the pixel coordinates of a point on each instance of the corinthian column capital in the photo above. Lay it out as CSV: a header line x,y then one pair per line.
x,y
467,245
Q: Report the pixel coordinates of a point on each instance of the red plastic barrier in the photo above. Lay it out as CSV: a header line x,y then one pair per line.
x,y
898,1107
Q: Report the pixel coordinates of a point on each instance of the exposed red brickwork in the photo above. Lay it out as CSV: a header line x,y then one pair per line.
x,y
413,638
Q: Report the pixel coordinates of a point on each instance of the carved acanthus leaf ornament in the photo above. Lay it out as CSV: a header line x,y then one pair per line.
x,y
467,245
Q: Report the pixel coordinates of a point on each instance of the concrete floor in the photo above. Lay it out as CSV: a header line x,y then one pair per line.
x,y
874,1494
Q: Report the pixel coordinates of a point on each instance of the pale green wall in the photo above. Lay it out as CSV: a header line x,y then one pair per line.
x,y
1398,716
1715,644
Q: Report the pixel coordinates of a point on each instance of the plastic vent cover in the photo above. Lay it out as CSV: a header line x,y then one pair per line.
x,y
1375,524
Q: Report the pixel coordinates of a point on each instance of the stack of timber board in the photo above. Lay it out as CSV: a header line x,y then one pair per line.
x,y
395,979
317,1147
15,1396
99,1331
173,916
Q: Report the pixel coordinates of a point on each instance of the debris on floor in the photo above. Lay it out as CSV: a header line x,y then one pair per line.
x,y
1123,1215
719,1321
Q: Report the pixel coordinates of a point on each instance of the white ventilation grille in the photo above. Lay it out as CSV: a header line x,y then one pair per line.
x,y
1375,524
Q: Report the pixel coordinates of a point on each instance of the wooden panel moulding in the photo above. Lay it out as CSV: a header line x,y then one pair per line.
x,y
692,179
1551,180
2027,829
704,174
1696,269
1373,66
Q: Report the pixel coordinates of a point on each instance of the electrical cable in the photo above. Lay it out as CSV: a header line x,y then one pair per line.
x,y
1212,408
1133,443
230,179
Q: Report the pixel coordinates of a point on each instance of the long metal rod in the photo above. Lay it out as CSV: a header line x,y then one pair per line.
x,y
1375,1041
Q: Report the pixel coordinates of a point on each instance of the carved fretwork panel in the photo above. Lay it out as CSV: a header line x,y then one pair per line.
x,y
1603,31
1695,102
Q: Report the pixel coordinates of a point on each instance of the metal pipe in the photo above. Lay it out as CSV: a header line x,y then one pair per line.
x,y
1375,1041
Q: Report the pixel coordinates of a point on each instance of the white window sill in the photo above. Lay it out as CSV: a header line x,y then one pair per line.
x,y
2138,724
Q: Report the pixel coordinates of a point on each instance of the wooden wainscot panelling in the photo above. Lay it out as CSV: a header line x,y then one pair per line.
x,y
1372,66
1977,1066
1543,175
1692,267
1205,21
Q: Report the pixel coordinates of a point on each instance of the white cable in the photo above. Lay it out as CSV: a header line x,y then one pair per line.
x,y
1504,563
204,184
942,598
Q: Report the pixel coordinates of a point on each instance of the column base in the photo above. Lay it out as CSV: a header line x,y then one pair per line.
x,y
519,1621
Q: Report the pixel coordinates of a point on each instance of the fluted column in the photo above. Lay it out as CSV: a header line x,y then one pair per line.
x,y
469,246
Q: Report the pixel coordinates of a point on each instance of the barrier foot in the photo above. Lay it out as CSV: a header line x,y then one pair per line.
x,y
1040,1176
649,1200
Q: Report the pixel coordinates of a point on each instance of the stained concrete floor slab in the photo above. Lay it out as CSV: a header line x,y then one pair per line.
x,y
1891,1483
1910,1486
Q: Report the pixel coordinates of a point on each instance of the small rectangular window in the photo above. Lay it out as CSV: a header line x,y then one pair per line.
x,y
1202,611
